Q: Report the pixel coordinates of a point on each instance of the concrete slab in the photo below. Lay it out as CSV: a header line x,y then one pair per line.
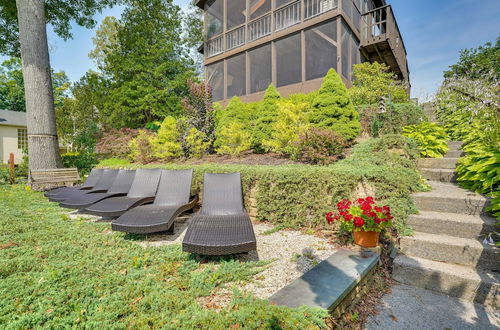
x,y
414,308
328,283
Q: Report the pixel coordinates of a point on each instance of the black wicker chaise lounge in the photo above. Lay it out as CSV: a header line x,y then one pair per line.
x,y
143,191
92,179
121,186
107,178
172,199
222,227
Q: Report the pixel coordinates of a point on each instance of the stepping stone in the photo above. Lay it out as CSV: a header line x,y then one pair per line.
x,y
441,175
437,163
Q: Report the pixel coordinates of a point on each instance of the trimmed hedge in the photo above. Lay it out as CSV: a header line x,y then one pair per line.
x,y
298,196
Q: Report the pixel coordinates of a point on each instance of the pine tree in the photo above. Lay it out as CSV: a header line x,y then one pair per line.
x,y
265,116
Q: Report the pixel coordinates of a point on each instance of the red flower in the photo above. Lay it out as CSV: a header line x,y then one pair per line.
x,y
366,207
348,217
369,200
343,213
361,200
358,222
378,208
387,208
329,217
378,220
372,214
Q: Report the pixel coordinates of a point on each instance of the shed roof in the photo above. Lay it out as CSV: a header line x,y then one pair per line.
x,y
12,118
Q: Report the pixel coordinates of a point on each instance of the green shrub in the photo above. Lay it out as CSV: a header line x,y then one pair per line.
x,y
332,108
165,144
320,146
109,162
141,150
115,143
196,143
266,113
430,137
83,161
233,140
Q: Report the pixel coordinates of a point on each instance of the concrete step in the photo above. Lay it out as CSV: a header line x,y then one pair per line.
x,y
454,154
449,198
455,145
437,163
454,280
445,248
442,175
453,224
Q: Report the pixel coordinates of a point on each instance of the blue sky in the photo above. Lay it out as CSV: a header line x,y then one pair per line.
x,y
434,32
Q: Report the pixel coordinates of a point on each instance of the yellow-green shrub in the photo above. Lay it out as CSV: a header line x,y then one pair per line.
x,y
233,139
141,150
166,143
196,143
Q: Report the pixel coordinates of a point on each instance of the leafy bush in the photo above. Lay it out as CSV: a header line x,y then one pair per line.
x,y
372,81
290,123
141,150
196,143
430,137
83,161
108,162
233,140
115,143
200,109
320,146
332,108
165,144
266,113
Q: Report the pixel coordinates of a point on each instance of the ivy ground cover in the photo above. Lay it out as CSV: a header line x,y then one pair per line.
x,y
58,272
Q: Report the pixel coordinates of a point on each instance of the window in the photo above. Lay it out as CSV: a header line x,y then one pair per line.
x,y
215,17
236,79
236,13
215,79
259,7
288,60
321,49
22,138
260,68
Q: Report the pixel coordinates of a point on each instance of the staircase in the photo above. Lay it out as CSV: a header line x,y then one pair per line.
x,y
446,253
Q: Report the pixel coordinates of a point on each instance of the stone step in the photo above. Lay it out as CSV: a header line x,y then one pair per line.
x,y
455,145
453,224
462,251
442,175
454,154
450,198
454,280
437,163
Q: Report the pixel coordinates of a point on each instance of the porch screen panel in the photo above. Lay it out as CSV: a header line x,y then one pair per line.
x,y
280,3
236,80
215,17
355,53
288,60
321,49
260,68
346,47
215,78
259,8
236,11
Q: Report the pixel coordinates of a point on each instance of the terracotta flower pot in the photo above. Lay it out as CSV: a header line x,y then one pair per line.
x,y
366,238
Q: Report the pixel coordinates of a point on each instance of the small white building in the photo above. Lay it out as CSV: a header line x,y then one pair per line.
x,y
13,135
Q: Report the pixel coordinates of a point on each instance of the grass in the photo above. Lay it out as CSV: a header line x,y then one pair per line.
x,y
57,272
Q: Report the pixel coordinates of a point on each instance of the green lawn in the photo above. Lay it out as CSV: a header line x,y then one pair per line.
x,y
56,272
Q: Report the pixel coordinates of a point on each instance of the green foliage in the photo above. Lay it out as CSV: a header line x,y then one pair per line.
x,y
266,113
333,109
110,162
165,143
290,123
233,140
141,150
320,146
200,109
372,81
116,143
196,142
83,161
430,137
82,276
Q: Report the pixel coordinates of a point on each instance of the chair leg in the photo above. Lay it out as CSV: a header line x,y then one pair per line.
x,y
171,230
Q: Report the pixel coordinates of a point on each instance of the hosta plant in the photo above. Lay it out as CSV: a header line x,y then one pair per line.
x,y
430,137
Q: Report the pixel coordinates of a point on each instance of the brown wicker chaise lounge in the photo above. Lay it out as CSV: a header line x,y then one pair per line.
x,y
222,227
143,191
121,186
172,199
107,178
89,183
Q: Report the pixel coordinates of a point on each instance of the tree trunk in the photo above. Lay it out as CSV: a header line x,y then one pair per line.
x,y
43,145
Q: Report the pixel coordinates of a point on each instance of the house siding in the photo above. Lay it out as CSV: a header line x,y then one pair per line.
x,y
8,144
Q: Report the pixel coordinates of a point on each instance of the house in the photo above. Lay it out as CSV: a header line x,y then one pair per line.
x,y
13,135
250,44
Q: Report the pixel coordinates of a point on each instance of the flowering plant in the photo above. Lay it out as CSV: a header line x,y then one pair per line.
x,y
362,214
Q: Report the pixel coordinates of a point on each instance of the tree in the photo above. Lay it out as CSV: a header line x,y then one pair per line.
x,y
265,116
105,40
333,109
372,81
23,30
193,35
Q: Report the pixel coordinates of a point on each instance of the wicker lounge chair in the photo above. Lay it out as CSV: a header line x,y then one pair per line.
x,y
121,186
143,191
222,227
89,183
107,178
172,199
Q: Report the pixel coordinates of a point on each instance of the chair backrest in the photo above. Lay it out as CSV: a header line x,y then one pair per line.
x,y
145,183
174,187
107,178
56,175
93,177
123,182
222,194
